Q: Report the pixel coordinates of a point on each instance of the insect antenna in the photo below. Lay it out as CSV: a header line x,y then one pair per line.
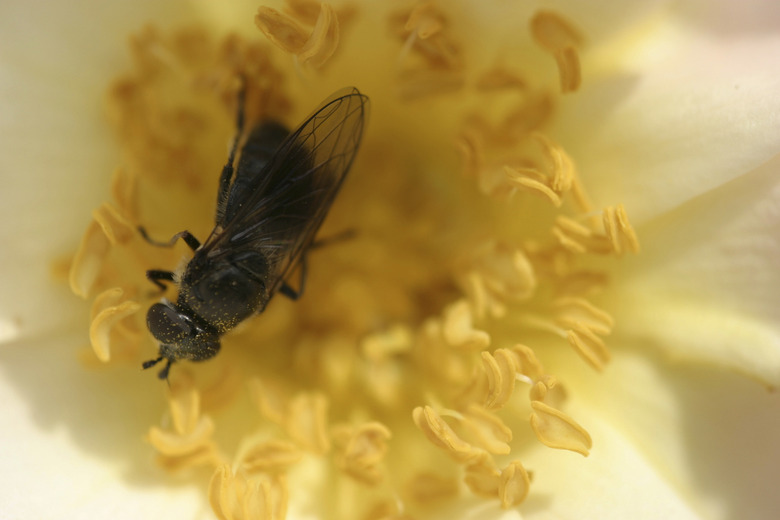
x,y
150,363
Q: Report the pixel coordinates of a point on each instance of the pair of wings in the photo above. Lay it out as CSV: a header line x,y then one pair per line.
x,y
279,210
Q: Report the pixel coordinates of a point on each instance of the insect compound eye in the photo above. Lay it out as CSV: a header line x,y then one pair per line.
x,y
166,324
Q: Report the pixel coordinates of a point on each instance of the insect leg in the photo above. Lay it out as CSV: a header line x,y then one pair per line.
x,y
163,374
188,238
157,277
227,170
291,293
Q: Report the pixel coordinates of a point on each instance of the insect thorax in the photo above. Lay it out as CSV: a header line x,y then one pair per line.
x,y
225,291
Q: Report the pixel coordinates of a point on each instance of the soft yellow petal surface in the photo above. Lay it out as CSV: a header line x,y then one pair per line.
x,y
708,279
714,115
702,438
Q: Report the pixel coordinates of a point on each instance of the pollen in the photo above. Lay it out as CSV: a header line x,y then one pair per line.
x,y
424,360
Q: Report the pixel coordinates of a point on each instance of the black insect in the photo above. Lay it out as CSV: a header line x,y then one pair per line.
x,y
267,216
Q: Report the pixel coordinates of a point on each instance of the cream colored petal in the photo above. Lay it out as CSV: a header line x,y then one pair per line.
x,y
56,151
615,482
598,19
670,441
730,19
707,288
61,424
68,437
663,121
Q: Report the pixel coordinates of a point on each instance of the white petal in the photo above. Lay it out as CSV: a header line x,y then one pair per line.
x,y
728,18
707,286
615,481
597,19
683,114
69,436
56,151
669,442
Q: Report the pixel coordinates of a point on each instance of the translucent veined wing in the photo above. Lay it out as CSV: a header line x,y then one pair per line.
x,y
280,211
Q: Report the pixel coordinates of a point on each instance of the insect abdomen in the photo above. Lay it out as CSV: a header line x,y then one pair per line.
x,y
258,150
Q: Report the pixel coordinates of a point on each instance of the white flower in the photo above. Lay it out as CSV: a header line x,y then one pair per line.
x,y
675,122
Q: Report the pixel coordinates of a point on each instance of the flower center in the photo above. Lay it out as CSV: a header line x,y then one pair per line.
x,y
414,358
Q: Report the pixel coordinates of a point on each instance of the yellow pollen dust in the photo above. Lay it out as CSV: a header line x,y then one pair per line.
x,y
411,372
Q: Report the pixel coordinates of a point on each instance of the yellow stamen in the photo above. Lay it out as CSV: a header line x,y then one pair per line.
x,y
306,11
269,399
177,444
442,435
281,30
557,430
495,274
553,32
569,69
482,477
124,191
487,429
324,38
514,485
219,493
88,260
500,369
116,228
559,37
459,331
589,346
619,231
307,422
430,60
235,497
572,310
273,456
617,236
569,243
107,311
572,227
410,312
527,363
424,20
394,341
521,179
540,391
361,451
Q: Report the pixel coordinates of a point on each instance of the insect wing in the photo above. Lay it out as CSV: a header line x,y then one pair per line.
x,y
294,191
